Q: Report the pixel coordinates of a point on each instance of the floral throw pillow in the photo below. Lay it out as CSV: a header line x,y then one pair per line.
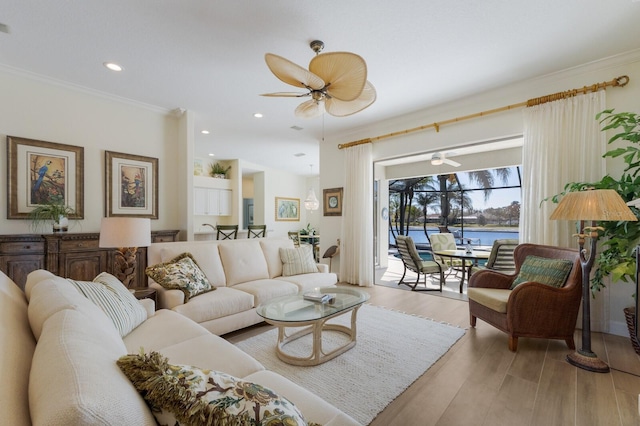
x,y
182,273
185,395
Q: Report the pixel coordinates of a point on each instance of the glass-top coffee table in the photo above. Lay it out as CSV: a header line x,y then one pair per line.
x,y
295,311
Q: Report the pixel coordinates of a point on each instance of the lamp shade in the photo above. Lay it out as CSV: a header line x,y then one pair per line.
x,y
116,232
593,204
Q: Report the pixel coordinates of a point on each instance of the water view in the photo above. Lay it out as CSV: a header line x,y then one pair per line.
x,y
478,236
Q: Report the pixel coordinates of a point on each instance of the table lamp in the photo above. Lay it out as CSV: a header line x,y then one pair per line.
x,y
590,205
125,234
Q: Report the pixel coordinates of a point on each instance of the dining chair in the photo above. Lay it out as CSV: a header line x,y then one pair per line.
x,y
413,262
227,232
256,231
294,236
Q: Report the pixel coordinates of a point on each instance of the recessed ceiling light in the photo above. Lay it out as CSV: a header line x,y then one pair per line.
x,y
296,128
205,132
300,154
211,154
257,115
113,66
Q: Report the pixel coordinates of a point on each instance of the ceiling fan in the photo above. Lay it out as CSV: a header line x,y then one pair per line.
x,y
336,81
439,158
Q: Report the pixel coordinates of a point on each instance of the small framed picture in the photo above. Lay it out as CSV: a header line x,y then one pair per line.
x,y
42,172
332,205
288,209
198,167
131,185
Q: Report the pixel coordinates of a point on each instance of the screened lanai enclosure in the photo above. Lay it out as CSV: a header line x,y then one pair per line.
x,y
478,207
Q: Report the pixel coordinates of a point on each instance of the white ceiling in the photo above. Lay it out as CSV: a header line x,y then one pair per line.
x,y
207,56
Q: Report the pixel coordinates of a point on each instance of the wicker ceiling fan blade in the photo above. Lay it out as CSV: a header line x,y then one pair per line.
x,y
291,73
344,73
309,109
340,108
285,94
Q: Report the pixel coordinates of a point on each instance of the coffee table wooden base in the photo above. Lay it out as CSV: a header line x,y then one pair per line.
x,y
316,327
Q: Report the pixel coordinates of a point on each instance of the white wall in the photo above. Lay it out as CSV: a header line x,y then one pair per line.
x,y
505,124
36,109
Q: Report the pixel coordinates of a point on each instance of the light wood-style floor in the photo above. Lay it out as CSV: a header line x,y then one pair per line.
x,y
480,382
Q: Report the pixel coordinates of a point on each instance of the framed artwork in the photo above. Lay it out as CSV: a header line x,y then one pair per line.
x,y
131,185
42,172
288,209
198,167
332,205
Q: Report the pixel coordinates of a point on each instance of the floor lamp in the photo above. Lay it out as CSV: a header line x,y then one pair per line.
x,y
125,234
590,206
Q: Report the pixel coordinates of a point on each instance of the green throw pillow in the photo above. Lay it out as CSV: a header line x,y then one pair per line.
x,y
181,273
185,395
552,272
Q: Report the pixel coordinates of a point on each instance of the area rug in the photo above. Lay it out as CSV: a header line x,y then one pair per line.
x,y
392,351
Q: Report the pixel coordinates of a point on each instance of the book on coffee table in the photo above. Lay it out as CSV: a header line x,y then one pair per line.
x,y
318,297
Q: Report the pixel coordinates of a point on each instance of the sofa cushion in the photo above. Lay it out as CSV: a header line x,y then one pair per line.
x,y
54,295
221,303
296,261
271,249
205,254
243,261
493,298
308,282
264,290
165,328
115,300
18,345
552,272
74,377
182,394
181,273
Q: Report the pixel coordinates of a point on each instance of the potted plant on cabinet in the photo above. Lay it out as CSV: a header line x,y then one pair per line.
x,y
55,213
217,170
617,259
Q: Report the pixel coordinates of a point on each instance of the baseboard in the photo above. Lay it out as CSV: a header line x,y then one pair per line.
x,y
618,328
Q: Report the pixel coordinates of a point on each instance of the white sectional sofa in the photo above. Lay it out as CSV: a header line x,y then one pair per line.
x,y
245,273
59,352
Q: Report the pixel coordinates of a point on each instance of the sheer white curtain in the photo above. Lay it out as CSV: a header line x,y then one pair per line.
x,y
562,143
356,253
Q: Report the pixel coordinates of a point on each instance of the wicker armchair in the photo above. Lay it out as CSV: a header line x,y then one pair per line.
x,y
531,309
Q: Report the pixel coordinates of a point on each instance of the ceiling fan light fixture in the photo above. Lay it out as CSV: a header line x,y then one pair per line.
x,y
437,161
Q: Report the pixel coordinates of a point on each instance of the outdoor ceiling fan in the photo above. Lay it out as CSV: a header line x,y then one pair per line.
x,y
336,82
440,158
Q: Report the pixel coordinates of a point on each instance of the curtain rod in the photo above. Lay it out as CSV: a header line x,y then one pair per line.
x,y
616,82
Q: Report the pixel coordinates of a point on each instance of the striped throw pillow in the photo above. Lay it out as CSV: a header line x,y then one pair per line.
x,y
115,300
552,272
296,261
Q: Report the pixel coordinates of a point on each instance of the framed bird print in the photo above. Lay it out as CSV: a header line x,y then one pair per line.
x,y
131,185
42,172
332,205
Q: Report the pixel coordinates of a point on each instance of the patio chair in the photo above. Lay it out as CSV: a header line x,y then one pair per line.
x,y
413,262
501,257
446,241
256,231
532,308
227,232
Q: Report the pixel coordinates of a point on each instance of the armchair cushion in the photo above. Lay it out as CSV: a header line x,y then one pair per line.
x,y
182,273
492,298
552,272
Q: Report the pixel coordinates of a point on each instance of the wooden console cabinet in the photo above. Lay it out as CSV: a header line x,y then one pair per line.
x,y
69,255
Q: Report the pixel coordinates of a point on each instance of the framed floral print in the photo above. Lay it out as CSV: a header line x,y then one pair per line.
x,y
131,185
42,172
332,205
